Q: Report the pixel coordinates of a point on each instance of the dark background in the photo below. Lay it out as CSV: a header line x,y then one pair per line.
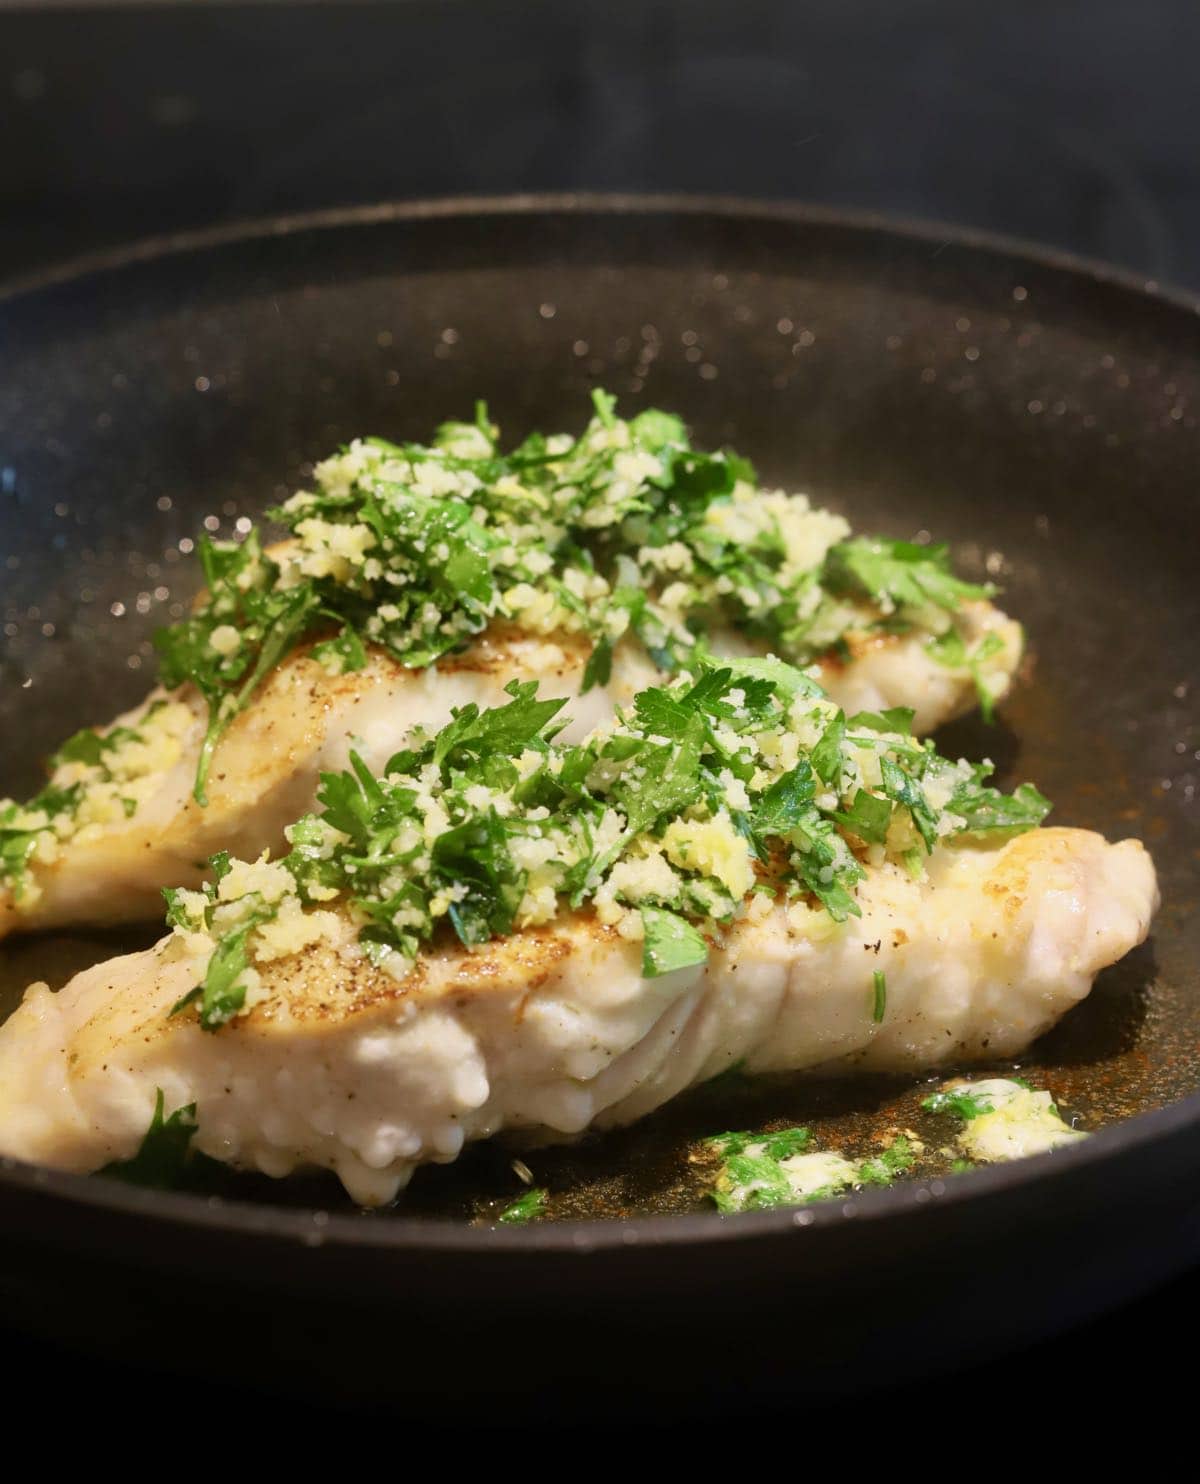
x,y
1073,124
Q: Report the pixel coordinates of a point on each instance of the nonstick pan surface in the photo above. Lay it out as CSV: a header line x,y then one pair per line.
x,y
1037,412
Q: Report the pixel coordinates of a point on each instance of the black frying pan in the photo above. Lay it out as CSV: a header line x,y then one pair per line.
x,y
1038,412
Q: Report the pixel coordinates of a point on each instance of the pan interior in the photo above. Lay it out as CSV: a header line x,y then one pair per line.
x,y
1040,420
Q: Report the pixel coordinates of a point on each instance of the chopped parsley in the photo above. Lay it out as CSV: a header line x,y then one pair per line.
x,y
96,778
971,1100
881,1169
664,823
987,811
951,649
879,996
624,530
779,1145
164,1152
753,1175
524,1208
961,1102
899,575
23,827
761,1171
1003,1118
625,533
669,942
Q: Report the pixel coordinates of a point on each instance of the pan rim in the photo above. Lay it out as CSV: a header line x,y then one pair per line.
x,y
320,1228
580,203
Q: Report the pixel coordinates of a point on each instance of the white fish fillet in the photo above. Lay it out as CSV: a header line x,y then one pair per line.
x,y
305,721
554,1030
